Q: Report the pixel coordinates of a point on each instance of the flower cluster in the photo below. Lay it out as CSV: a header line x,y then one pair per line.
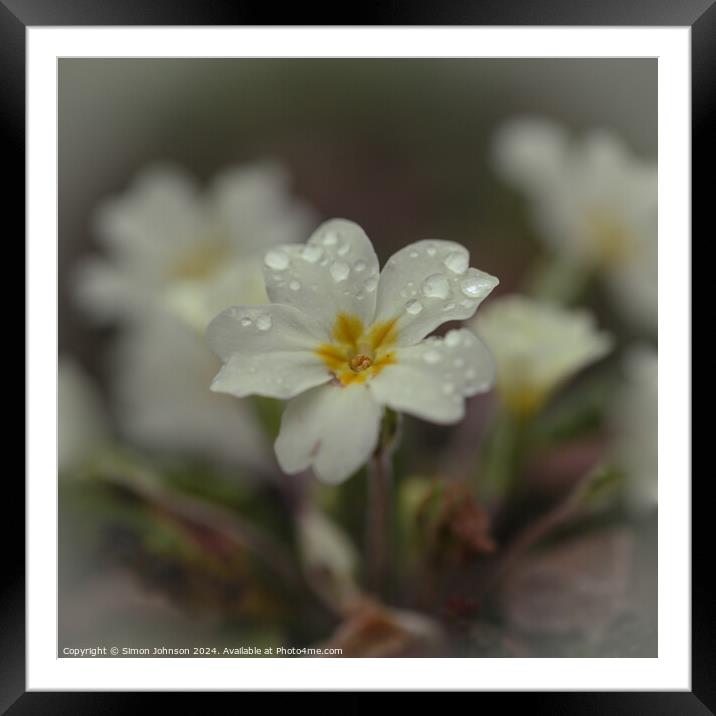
x,y
173,258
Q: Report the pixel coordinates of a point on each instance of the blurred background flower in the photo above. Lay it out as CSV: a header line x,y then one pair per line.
x,y
527,531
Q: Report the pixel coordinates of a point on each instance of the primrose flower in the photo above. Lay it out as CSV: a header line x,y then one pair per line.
x,y
342,341
171,247
634,422
537,346
174,258
591,200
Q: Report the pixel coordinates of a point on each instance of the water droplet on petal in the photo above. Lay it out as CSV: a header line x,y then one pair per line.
x,y
343,249
294,285
245,321
311,253
359,266
330,239
413,307
436,286
457,261
277,260
449,307
467,303
371,284
339,271
452,339
432,357
431,250
263,322
413,254
475,284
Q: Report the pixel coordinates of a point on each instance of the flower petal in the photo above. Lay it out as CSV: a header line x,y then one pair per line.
x,y
333,428
336,271
254,205
267,350
432,379
428,283
161,370
160,213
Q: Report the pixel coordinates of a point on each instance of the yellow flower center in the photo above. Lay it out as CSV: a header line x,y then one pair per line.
x,y
200,261
523,400
356,354
360,362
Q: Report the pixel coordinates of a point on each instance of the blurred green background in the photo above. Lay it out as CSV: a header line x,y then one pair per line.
x,y
401,147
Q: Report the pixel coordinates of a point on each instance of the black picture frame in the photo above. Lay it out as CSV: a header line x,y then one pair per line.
x,y
699,15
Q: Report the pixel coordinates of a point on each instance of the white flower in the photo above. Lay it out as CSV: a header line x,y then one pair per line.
x,y
634,422
171,247
592,200
81,423
537,346
343,341
174,259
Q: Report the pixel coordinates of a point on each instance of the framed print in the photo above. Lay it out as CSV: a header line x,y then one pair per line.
x,y
343,353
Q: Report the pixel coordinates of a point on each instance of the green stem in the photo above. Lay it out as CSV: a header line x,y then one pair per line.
x,y
503,458
380,504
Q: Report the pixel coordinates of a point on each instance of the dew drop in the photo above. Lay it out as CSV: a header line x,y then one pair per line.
x,y
339,271
245,321
467,303
294,285
448,388
449,307
263,322
436,286
431,251
311,253
371,284
413,254
277,260
457,262
413,307
474,285
359,266
330,239
432,357
343,249
452,339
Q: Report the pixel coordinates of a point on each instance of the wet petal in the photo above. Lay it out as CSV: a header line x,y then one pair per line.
x,y
428,283
432,379
336,271
332,428
266,350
